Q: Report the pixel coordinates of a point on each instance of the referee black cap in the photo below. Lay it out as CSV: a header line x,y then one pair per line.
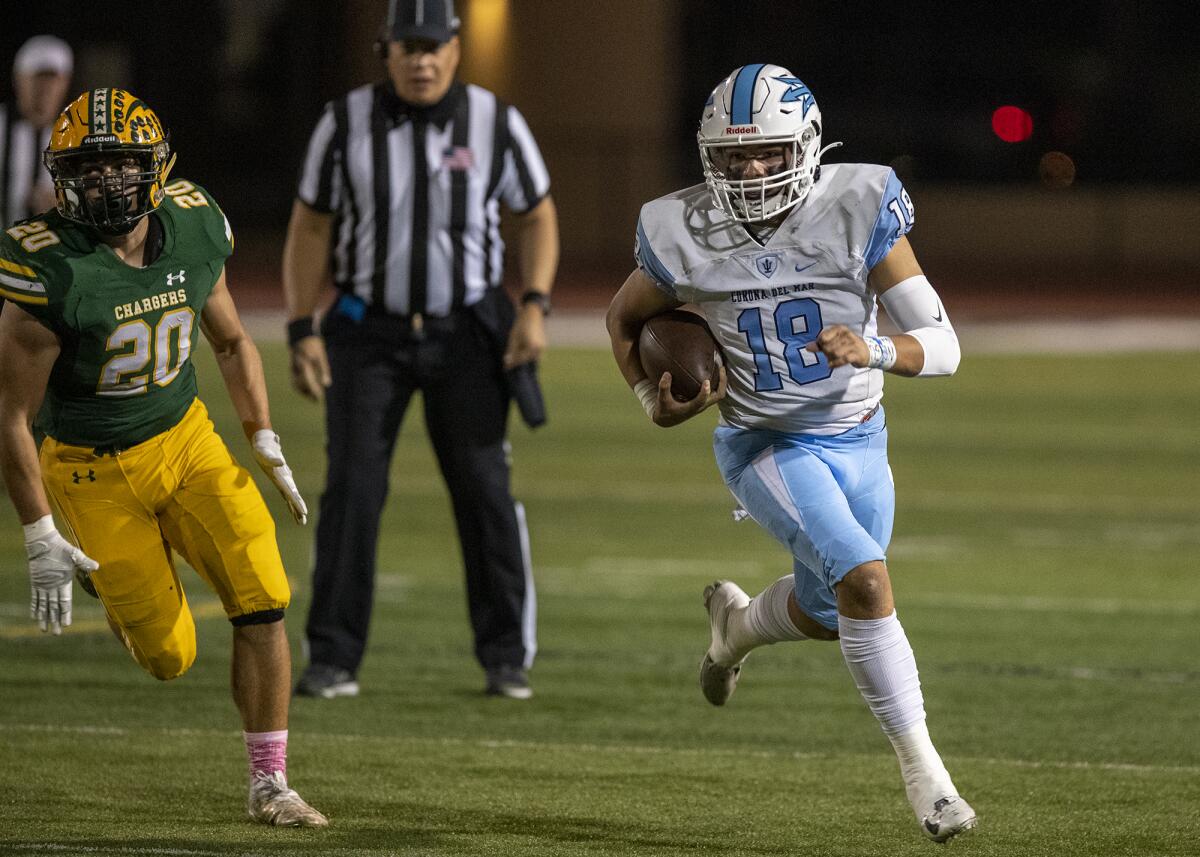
x,y
422,19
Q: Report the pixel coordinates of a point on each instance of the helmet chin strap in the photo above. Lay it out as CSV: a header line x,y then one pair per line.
x,y
116,229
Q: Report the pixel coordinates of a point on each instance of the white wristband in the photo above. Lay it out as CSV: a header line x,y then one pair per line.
x,y
39,529
647,392
882,352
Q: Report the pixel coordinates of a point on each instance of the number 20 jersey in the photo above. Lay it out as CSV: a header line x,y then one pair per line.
x,y
764,303
124,373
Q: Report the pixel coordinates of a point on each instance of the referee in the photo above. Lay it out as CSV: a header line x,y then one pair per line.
x,y
399,202
41,73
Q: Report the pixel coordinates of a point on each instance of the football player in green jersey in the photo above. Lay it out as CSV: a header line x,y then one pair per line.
x,y
107,296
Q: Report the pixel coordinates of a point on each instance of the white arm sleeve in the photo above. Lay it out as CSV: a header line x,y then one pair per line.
x,y
917,310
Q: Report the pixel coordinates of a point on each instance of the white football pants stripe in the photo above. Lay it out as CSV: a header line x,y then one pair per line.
x,y
529,611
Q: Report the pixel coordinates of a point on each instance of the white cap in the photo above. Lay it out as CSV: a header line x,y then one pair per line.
x,y
44,53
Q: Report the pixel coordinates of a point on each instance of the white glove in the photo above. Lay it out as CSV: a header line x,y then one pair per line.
x,y
52,564
270,458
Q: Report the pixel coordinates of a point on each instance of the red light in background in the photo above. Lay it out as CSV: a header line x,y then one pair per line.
x,y
1012,124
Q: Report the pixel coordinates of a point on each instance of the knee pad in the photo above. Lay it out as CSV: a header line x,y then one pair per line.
x,y
165,650
258,617
166,664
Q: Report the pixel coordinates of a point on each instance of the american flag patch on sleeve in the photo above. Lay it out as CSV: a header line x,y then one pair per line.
x,y
458,158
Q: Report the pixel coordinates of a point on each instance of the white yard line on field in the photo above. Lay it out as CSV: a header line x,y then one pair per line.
x,y
608,749
74,848
598,568
625,571
1086,336
1052,604
25,630
1116,505
1090,336
585,329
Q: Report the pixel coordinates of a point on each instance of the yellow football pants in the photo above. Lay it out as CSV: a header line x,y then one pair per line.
x,y
182,491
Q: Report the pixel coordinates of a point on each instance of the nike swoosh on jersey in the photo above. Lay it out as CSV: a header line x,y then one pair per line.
x,y
800,268
938,317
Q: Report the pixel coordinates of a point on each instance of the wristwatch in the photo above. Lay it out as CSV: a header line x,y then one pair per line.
x,y
540,298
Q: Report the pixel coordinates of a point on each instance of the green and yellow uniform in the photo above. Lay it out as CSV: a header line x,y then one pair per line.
x,y
131,459
127,333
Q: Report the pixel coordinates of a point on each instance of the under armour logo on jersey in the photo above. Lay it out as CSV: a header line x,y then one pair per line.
x,y
797,91
767,265
172,279
76,477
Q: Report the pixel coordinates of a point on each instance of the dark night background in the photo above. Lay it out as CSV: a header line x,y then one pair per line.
x,y
1110,83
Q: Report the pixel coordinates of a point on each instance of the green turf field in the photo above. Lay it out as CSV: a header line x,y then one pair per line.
x,y
1044,565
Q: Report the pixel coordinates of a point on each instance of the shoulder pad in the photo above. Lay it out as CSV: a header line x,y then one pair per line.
x,y
189,205
28,250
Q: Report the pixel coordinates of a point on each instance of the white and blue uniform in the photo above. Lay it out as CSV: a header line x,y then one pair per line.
x,y
802,446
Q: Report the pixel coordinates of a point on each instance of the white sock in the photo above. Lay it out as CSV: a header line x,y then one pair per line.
x,y
925,777
764,620
768,614
881,661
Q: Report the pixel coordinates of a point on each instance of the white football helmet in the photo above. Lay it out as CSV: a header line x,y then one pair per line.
x,y
760,104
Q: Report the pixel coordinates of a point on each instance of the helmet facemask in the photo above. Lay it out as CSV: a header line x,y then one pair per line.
x,y
761,197
110,191
760,105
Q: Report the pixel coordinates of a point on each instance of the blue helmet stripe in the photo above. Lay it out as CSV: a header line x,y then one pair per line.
x,y
743,94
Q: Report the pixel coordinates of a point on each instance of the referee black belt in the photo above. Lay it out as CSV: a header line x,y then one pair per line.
x,y
358,311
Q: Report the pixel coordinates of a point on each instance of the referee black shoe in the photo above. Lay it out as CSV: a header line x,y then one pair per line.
x,y
323,681
508,681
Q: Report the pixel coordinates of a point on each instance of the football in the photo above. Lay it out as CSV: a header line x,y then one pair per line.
x,y
680,342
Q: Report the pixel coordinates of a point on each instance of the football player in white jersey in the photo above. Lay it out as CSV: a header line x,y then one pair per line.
x,y
788,261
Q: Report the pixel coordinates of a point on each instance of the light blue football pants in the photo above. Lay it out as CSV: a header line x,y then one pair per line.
x,y
829,500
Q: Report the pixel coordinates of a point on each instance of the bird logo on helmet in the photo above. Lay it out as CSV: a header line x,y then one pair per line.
x,y
109,158
761,105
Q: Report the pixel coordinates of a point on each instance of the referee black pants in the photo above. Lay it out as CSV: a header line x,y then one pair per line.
x,y
377,364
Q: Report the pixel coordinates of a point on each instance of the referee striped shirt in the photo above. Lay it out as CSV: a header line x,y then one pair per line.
x,y
21,168
416,194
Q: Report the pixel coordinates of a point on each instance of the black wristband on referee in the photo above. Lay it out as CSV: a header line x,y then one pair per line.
x,y
300,328
540,298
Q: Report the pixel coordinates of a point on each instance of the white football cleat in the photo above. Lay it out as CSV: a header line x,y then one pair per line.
x,y
272,802
949,817
720,669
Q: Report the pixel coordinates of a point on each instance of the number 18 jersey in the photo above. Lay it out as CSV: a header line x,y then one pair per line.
x,y
124,373
765,302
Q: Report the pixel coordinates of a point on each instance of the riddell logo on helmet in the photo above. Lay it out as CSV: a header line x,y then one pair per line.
x,y
742,129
